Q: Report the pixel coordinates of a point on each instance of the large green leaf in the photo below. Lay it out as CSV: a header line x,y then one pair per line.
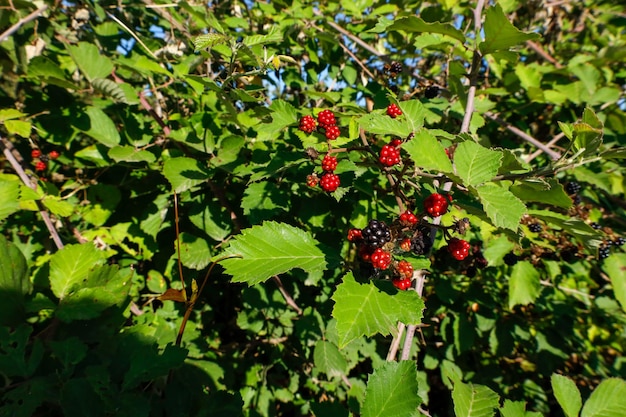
x,y
607,400
365,309
392,390
500,34
10,192
472,400
548,191
130,154
89,60
283,115
195,252
476,164
14,282
272,248
503,208
70,266
615,267
328,359
381,124
427,153
413,24
101,127
566,394
524,284
184,173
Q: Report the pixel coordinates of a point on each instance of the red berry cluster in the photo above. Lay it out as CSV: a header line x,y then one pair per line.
x,y
390,154
41,160
307,124
436,205
408,218
329,163
380,259
459,248
325,120
393,111
329,182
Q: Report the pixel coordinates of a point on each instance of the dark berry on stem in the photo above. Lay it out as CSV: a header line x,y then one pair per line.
x,y
573,187
595,226
510,259
603,252
421,242
535,227
619,241
431,91
376,234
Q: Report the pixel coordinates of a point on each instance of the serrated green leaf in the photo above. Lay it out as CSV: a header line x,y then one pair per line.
x,y
413,113
184,173
472,400
587,134
365,309
89,60
614,153
10,192
615,268
57,206
283,115
271,249
147,65
273,36
378,123
195,253
18,127
548,191
476,164
392,390
413,24
427,153
70,266
128,153
14,283
208,41
567,394
503,208
500,34
516,409
328,359
101,127
524,285
607,400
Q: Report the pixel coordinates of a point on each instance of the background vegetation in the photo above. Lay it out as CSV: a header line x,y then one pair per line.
x,y
125,125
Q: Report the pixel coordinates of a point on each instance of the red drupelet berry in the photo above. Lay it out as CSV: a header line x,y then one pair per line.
x,y
365,253
405,269
459,248
312,180
326,118
393,111
395,143
329,182
402,284
389,156
41,166
380,258
332,132
408,218
436,205
354,235
307,124
54,154
35,153
329,163
405,244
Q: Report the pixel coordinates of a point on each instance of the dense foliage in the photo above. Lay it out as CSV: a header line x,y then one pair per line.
x,y
331,208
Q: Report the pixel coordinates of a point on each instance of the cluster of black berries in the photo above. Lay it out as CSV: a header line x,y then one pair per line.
x,y
573,188
376,234
535,227
431,91
510,259
421,242
605,249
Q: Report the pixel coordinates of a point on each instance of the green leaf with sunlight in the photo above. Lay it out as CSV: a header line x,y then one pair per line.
x,y
607,400
392,390
14,283
272,248
615,268
476,164
524,285
328,359
366,309
503,208
70,266
471,400
90,61
101,127
413,24
500,34
566,394
184,173
427,152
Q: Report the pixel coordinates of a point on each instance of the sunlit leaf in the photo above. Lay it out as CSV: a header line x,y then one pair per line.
x,y
500,34
392,390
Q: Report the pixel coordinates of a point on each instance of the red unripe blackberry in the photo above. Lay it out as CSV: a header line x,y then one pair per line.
x,y
332,132
35,153
389,156
41,166
53,154
365,253
395,143
380,259
376,234
326,118
436,205
459,248
408,218
402,284
307,124
329,182
354,235
405,269
405,244
312,180
329,163
393,111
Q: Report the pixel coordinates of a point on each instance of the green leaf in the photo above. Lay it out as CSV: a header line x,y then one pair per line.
x,y
587,134
615,268
14,283
149,66
101,127
392,390
283,115
208,41
57,206
20,355
366,310
10,192
500,34
524,285
414,24
147,364
413,112
513,409
472,400
503,208
548,191
70,266
427,153
607,400
195,253
567,394
18,127
271,249
89,60
128,153
184,173
476,164
273,36
329,360
381,124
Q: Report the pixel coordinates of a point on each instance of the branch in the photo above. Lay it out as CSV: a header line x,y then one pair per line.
x,y
473,81
34,15
288,298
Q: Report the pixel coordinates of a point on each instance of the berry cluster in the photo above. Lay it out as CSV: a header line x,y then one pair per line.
x,y
436,205
459,248
41,160
376,234
329,182
393,111
390,154
325,120
431,91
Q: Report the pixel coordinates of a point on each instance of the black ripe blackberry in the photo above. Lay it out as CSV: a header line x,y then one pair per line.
x,y
604,251
535,227
431,91
480,261
376,234
471,272
595,226
421,242
510,259
577,199
572,187
619,241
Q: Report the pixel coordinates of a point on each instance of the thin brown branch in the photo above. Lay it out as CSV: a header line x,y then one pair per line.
x,y
32,16
473,79
352,37
288,298
153,113
542,53
550,144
